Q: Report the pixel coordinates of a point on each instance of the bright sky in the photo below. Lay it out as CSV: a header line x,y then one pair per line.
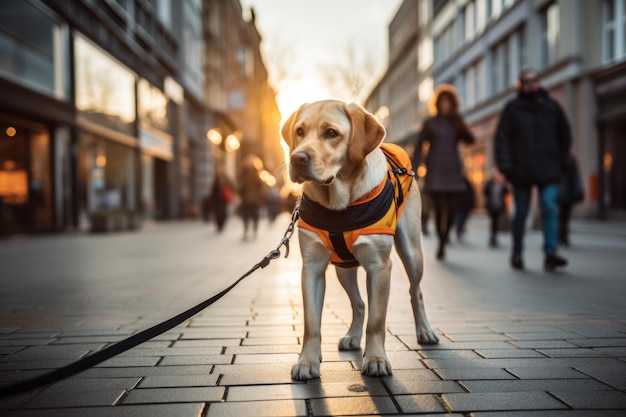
x,y
314,33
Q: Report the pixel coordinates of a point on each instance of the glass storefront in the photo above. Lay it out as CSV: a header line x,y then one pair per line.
x,y
33,47
105,89
108,180
25,177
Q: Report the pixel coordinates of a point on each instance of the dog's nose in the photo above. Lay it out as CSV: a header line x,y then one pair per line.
x,y
300,158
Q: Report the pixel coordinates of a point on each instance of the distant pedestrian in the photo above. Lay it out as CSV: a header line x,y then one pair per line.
x,y
465,203
495,192
444,168
570,192
532,147
220,196
252,193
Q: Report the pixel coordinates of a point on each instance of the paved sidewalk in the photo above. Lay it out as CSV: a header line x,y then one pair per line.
x,y
512,343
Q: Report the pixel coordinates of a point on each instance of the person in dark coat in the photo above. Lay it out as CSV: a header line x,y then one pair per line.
x,y
570,192
495,191
220,196
464,205
444,170
252,192
532,146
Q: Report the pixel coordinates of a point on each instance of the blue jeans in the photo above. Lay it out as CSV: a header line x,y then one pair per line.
x,y
548,194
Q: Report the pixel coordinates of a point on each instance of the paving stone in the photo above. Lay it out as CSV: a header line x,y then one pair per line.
x,y
552,413
546,373
419,404
48,352
259,409
266,358
605,342
87,385
207,343
611,375
578,385
542,336
352,406
174,395
260,349
572,353
305,391
472,402
196,360
54,399
270,341
145,371
456,374
593,400
172,351
25,342
454,354
119,362
398,386
178,381
543,344
147,410
509,353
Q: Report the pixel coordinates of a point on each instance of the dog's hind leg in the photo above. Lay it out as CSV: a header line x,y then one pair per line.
x,y
348,280
408,242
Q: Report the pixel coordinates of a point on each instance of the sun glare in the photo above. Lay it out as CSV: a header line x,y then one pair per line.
x,y
304,90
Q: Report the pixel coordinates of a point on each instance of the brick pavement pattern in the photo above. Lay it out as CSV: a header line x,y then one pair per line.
x,y
512,343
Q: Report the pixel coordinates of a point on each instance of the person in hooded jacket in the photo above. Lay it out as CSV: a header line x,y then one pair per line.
x,y
444,179
532,146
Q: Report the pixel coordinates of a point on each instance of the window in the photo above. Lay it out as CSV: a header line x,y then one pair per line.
x,y
425,52
549,34
614,31
500,67
470,87
243,56
33,48
105,89
470,20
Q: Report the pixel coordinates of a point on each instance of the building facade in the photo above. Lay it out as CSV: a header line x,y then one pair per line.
x,y
105,109
479,46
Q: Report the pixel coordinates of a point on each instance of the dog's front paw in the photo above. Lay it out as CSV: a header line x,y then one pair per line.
x,y
349,342
376,366
304,370
427,336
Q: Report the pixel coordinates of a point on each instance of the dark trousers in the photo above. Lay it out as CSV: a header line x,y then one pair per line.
x,y
443,203
494,220
565,213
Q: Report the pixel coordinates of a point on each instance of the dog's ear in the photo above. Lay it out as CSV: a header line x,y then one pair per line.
x,y
287,130
367,132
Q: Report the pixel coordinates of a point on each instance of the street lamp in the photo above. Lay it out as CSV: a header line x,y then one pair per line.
x,y
232,143
214,136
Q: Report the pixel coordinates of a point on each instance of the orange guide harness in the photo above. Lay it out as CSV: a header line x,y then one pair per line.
x,y
377,212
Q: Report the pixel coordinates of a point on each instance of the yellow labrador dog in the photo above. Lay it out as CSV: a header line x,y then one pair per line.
x,y
336,153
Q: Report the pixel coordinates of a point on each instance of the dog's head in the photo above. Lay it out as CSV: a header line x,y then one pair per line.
x,y
325,136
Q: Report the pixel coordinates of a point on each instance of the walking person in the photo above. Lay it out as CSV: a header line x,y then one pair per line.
x,y
220,196
465,203
495,192
532,147
252,194
444,169
570,192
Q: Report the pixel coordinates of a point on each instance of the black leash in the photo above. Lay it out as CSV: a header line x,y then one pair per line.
x,y
145,335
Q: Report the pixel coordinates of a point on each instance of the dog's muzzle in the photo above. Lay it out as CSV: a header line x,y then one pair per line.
x,y
300,169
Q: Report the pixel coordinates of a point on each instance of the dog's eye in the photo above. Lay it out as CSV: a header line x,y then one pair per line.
x,y
331,133
300,131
